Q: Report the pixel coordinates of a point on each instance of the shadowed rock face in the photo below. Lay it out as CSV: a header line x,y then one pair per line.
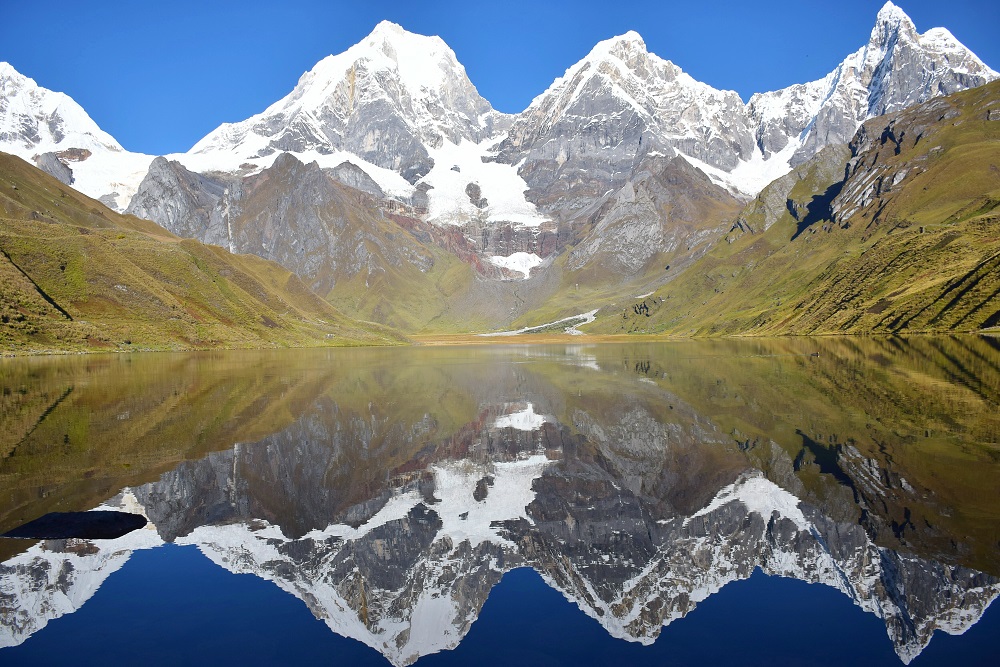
x,y
321,228
611,471
668,211
188,204
52,165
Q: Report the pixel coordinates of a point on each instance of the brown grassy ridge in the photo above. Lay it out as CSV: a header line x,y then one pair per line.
x,y
78,277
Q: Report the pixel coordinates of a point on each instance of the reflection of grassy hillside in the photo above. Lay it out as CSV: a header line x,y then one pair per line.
x,y
900,434
78,429
76,276
112,421
909,242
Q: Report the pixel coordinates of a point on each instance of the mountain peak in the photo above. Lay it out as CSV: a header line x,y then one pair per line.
x,y
630,38
403,42
891,13
890,23
621,47
386,27
34,119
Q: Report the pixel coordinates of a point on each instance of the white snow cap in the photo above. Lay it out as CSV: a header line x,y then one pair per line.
x,y
892,13
629,39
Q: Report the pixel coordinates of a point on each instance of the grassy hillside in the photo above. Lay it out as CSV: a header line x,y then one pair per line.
x,y
902,234
76,276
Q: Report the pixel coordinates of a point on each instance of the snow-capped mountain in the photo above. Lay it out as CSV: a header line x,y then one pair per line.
x,y
388,100
620,102
400,107
897,68
57,577
635,577
52,130
590,128
412,578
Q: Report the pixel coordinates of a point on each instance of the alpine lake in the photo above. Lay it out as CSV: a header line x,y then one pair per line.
x,y
798,501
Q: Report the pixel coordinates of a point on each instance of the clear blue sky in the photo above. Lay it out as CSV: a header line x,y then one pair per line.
x,y
159,76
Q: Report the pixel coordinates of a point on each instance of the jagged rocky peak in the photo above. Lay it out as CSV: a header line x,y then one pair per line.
x,y
628,50
388,99
620,76
420,72
621,102
908,68
891,21
897,68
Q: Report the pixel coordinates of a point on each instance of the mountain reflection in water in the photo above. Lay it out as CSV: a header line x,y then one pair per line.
x,y
391,490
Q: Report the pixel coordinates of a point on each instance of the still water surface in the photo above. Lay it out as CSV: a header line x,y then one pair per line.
x,y
825,501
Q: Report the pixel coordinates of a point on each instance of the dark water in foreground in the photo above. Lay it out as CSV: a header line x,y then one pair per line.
x,y
725,502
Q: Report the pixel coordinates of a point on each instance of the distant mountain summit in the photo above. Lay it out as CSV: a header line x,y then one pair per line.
x,y
620,103
896,69
393,102
33,118
388,100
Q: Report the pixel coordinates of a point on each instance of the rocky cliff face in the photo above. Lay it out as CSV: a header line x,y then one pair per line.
x,y
668,211
186,203
589,130
296,214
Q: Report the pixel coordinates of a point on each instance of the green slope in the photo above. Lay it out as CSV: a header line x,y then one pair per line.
x,y
76,276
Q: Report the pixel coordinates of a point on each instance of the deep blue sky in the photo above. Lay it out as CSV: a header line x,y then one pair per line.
x,y
160,75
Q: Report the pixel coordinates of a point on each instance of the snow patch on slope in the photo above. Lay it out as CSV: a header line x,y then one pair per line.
x,y
522,262
573,321
749,177
458,165
759,495
522,420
